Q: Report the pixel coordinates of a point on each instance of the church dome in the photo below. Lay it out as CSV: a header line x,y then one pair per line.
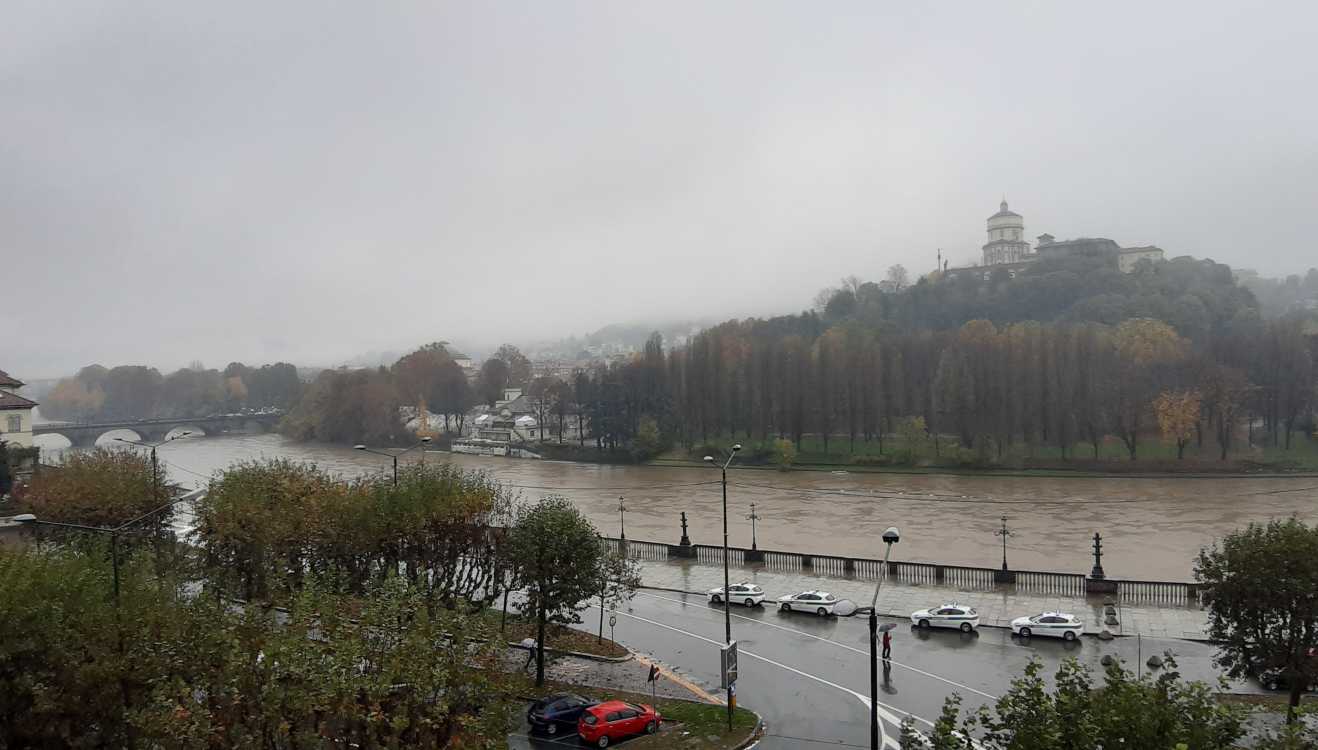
x,y
1003,212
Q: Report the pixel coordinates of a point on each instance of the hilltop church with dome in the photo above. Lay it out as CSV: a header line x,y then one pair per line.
x,y
1008,250
1006,238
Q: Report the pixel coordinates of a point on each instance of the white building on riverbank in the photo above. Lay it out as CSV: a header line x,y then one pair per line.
x,y
15,412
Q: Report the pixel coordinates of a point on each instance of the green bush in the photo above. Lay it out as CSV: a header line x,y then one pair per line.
x,y
169,671
784,454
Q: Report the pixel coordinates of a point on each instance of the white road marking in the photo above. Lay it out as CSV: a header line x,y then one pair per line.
x,y
835,643
883,711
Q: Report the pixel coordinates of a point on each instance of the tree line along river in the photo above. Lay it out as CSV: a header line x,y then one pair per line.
x,y
1152,527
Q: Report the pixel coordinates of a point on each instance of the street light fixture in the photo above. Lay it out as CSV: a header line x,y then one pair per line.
x,y
753,517
114,532
424,441
1004,532
890,537
727,613
155,464
622,522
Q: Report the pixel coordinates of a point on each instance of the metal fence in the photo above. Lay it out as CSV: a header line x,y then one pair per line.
x,y
964,577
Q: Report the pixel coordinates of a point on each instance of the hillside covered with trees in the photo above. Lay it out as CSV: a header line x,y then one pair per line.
x,y
1067,359
98,394
1199,298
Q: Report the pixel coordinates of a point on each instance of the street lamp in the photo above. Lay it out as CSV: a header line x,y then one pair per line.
x,y
727,614
394,456
1004,532
622,523
890,537
155,464
28,518
753,517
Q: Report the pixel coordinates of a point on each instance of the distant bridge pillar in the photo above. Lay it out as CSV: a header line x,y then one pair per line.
x,y
152,433
80,438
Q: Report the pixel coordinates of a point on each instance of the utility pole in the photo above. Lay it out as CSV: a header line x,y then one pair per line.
x,y
394,456
727,613
155,462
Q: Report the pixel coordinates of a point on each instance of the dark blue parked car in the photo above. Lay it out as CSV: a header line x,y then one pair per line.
x,y
553,713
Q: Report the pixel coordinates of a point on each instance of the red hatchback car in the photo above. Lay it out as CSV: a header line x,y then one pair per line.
x,y
609,721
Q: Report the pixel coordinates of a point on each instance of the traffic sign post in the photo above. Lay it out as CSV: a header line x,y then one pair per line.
x,y
613,620
728,664
653,678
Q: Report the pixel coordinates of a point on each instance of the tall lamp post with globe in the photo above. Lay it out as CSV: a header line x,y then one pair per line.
x,y
890,537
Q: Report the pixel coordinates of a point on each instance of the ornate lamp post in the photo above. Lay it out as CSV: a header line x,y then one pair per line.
x,y
753,518
1004,575
622,522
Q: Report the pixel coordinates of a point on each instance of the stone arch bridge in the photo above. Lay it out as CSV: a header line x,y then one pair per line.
x,y
153,430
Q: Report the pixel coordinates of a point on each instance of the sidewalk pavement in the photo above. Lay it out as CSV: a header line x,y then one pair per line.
x,y
996,608
629,675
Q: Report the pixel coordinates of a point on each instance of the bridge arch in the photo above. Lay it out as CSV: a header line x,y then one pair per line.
x,y
109,437
53,441
153,430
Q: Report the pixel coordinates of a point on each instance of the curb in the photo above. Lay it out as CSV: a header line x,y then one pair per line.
x,y
671,590
579,654
757,733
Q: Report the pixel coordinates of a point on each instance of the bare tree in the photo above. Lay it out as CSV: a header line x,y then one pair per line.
x,y
898,276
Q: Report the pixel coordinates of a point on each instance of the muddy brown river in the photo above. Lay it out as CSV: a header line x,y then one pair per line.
x,y
1152,528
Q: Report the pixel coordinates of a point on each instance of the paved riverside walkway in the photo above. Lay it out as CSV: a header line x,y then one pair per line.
x,y
996,608
628,674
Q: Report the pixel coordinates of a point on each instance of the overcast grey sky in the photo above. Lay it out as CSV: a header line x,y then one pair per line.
x,y
309,180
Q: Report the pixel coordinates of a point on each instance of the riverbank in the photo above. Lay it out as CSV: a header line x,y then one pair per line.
x,y
1137,471
1300,462
1152,527
1155,458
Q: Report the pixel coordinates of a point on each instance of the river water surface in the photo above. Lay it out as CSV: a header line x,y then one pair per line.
x,y
1152,528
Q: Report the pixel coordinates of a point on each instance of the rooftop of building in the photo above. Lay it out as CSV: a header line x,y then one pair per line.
x,y
9,381
14,401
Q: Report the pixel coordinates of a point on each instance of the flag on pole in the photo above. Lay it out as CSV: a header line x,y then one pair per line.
x,y
654,674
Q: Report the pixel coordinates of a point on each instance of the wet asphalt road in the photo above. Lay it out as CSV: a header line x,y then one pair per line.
x,y
809,676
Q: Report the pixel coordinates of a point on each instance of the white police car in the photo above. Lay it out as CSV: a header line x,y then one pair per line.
x,y
819,602
739,593
1052,624
952,615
